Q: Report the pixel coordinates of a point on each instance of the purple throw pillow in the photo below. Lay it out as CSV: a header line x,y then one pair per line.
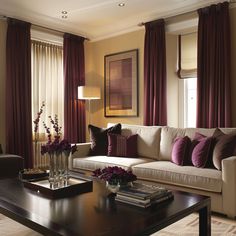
x,y
99,140
201,152
180,150
122,146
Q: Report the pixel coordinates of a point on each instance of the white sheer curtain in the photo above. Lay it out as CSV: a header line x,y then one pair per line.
x,y
47,83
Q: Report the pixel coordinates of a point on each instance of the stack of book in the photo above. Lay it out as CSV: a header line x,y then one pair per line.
x,y
143,195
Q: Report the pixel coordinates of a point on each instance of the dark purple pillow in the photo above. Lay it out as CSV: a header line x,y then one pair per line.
x,y
122,146
99,140
225,147
201,152
180,150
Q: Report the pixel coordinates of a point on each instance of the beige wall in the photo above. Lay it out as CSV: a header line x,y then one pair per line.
x,y
94,74
95,52
3,27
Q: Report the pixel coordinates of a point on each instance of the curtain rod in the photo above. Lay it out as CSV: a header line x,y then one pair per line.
x,y
181,14
170,17
44,27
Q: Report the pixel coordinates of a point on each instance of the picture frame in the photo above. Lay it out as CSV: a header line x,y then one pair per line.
x,y
121,84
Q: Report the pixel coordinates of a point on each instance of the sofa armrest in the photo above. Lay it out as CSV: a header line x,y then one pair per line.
x,y
82,151
229,186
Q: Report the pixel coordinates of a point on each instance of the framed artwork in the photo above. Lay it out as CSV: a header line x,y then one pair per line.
x,y
121,84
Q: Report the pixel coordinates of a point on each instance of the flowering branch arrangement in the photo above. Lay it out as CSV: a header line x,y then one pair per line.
x,y
36,122
52,146
57,145
115,175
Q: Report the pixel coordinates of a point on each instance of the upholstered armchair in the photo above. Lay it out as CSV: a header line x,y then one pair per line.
x,y
10,164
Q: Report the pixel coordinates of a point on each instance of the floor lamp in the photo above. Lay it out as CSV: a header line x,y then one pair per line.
x,y
89,93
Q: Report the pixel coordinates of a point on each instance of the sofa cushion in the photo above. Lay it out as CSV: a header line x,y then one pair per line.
x,y
148,138
99,140
94,162
187,176
122,146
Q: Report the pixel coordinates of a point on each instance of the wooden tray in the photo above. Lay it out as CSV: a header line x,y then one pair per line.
x,y
76,185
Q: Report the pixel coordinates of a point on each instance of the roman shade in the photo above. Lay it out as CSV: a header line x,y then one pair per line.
x,y
187,56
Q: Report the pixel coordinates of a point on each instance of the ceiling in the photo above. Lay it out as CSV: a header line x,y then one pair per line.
x,y
96,19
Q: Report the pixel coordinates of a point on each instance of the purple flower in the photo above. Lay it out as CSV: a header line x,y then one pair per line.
x,y
115,175
58,147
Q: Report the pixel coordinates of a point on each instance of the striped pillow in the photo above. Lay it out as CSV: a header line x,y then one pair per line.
x,y
122,146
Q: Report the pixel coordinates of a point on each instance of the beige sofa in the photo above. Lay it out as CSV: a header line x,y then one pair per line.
x,y
154,164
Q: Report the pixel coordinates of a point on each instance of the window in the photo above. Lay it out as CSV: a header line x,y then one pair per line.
x,y
187,72
190,101
47,82
187,102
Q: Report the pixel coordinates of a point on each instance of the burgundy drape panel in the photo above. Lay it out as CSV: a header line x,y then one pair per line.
x,y
213,86
155,108
18,91
74,76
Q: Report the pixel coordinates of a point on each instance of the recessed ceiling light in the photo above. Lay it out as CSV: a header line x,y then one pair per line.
x,y
64,16
121,4
64,12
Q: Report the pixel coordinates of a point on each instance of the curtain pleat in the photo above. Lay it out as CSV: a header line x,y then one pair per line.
x,y
18,91
213,84
74,76
155,104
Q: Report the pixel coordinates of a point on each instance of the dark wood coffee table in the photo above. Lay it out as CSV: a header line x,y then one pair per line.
x,y
97,213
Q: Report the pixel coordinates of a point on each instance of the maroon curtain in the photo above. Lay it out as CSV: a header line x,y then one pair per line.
x,y
213,86
18,91
155,111
74,69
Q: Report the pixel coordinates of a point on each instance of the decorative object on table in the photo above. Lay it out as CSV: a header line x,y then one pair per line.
x,y
35,173
75,185
143,195
121,84
59,152
115,177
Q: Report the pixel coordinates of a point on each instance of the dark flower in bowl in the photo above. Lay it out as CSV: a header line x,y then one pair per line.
x,y
115,175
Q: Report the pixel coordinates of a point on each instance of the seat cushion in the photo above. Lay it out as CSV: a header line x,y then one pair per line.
x,y
94,162
187,176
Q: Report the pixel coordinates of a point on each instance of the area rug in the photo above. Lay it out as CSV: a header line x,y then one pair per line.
x,y
185,227
220,226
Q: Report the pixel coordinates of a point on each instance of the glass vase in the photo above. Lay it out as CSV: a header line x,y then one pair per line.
x,y
114,188
54,177
63,169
